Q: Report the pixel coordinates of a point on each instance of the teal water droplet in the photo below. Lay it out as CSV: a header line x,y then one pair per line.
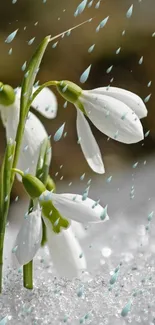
x,y
95,204
4,320
82,177
150,216
88,183
104,213
146,99
80,8
14,249
24,66
109,69
80,292
90,4
118,50
54,45
68,33
65,104
85,194
135,165
98,4
81,255
129,12
109,179
59,133
114,278
147,133
11,37
10,51
149,83
26,75
14,1
30,42
44,1
126,309
103,22
141,60
91,48
85,75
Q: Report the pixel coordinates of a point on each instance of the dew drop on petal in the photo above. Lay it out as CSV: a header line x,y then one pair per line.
x,y
129,12
59,133
90,4
24,66
80,8
10,51
103,22
141,60
109,69
97,4
147,133
85,75
91,48
126,309
146,99
31,41
54,45
118,50
65,88
14,249
11,37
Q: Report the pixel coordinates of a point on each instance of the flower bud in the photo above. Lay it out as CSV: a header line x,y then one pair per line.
x,y
7,95
69,90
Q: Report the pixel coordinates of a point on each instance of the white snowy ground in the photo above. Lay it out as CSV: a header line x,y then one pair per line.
x,y
122,245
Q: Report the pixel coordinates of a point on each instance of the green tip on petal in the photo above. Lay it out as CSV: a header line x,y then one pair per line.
x,y
69,91
50,185
7,95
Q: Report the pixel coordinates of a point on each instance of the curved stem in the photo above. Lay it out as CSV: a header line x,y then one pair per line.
x,y
28,275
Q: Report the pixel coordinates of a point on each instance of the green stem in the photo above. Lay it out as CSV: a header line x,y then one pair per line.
x,y
1,259
28,275
46,84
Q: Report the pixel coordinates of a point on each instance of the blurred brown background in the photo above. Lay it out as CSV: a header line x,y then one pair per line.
x,y
70,58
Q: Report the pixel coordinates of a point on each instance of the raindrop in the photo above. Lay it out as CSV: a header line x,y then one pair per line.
x,y
85,75
103,22
135,165
129,12
14,249
81,255
24,66
98,4
149,218
54,45
109,179
80,8
68,33
14,1
16,199
123,33
88,183
56,222
31,41
82,177
44,1
141,60
106,251
109,69
36,23
146,99
65,104
80,292
104,213
10,51
59,132
114,277
149,83
26,75
4,320
91,48
6,198
70,184
90,4
65,134
147,133
118,50
153,35
85,194
98,28
126,309
11,37
65,88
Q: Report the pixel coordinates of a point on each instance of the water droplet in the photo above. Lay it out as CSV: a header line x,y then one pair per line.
x,y
141,60
65,104
14,249
17,198
85,194
81,255
153,35
129,12
118,50
82,177
126,309
98,4
54,45
11,37
91,48
90,4
149,83
106,251
31,41
24,66
135,165
14,1
4,320
68,33
59,132
103,22
109,179
109,69
80,292
104,213
147,133
85,75
123,33
65,88
36,23
149,218
56,222
80,8
146,99
10,51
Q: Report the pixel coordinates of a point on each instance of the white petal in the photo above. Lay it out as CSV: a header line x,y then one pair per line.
x,y
29,238
10,118
88,144
125,96
112,117
45,102
34,135
66,253
73,207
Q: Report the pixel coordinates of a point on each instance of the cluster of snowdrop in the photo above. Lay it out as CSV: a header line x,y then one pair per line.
x,y
115,112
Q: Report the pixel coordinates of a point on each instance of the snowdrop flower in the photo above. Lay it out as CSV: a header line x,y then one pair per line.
x,y
57,211
114,111
35,133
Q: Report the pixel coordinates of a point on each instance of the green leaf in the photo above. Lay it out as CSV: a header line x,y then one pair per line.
x,y
30,75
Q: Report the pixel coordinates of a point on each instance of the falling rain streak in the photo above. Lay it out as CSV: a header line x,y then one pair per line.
x,y
11,37
129,12
102,23
59,133
85,75
80,8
